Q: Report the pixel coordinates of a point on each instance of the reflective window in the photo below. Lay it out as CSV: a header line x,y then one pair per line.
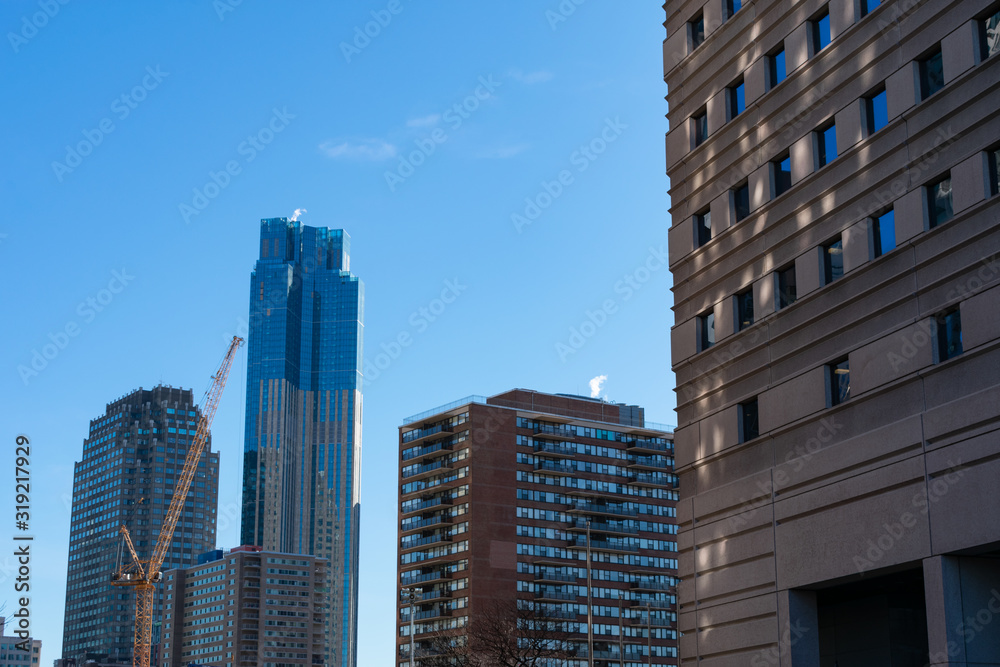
x,y
749,425
876,112
840,382
700,121
868,6
744,309
949,334
884,233
931,75
697,31
703,226
782,175
741,201
821,31
939,206
733,6
776,68
826,145
833,261
706,334
737,99
786,287
990,35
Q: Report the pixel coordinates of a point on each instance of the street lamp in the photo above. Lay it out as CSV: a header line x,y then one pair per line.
x,y
411,595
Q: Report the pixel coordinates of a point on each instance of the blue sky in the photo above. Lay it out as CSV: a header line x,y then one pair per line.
x,y
509,154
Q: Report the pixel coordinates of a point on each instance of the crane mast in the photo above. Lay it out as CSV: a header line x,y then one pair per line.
x,y
143,575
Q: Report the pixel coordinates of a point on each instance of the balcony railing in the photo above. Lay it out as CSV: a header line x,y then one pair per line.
x,y
603,527
408,543
551,429
416,522
554,449
408,578
436,501
645,462
652,585
438,447
601,508
560,467
413,471
652,478
580,542
553,594
642,443
410,436
549,575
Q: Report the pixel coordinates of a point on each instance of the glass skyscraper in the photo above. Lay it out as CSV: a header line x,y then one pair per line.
x,y
302,459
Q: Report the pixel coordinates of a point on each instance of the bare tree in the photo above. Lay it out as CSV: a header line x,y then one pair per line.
x,y
504,633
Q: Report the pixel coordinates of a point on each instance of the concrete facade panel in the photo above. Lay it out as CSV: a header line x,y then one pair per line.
x,y
842,16
680,240
803,162
857,245
807,276
901,91
755,81
722,212
764,296
719,431
969,182
716,108
848,122
910,214
797,47
678,143
725,320
981,318
958,51
760,187
793,400
888,359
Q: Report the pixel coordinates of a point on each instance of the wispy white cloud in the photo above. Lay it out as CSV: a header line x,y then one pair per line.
x,y
596,385
298,212
504,152
360,149
529,78
424,121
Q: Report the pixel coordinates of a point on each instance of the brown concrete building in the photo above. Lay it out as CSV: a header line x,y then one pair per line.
x,y
495,498
246,607
834,240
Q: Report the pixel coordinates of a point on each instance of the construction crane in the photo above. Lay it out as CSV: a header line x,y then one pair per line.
x,y
143,575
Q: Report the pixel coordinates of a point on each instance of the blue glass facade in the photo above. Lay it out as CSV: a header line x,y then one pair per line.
x,y
302,456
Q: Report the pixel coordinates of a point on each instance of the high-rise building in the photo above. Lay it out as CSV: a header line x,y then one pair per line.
x,y
16,651
496,498
246,607
134,452
833,244
302,461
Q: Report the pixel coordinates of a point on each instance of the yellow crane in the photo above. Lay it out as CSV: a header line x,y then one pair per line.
x,y
143,575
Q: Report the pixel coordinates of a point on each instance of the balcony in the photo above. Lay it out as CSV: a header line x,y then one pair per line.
x,y
436,594
649,479
651,585
411,578
437,612
410,507
545,575
580,542
437,448
548,594
553,430
642,444
414,523
554,449
420,433
413,541
556,467
415,471
602,508
645,462
603,527
655,601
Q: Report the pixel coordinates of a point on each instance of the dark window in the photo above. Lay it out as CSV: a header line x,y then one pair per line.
x,y
706,333
749,426
776,68
786,287
931,75
741,201
993,157
949,334
703,226
833,261
744,309
876,112
700,121
884,233
840,382
782,175
990,35
826,145
697,31
939,201
868,6
733,6
737,99
820,31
